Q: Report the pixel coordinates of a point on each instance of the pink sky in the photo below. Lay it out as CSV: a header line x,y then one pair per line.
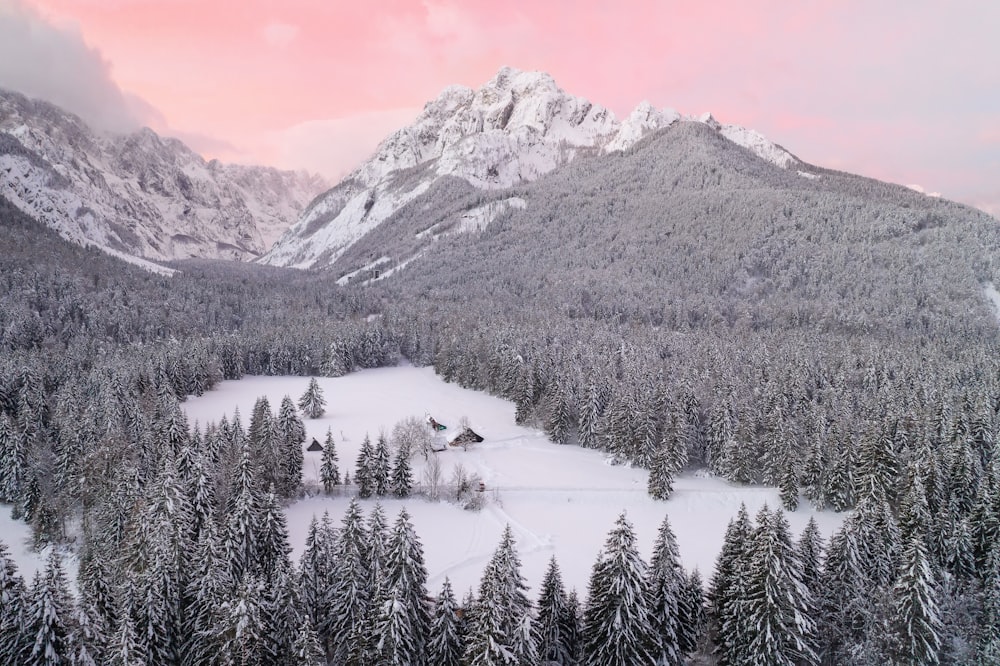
x,y
903,90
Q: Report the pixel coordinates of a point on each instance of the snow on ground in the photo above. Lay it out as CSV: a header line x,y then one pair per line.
x,y
559,500
16,535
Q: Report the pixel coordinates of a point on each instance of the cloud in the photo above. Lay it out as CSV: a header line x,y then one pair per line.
x,y
334,147
280,34
54,63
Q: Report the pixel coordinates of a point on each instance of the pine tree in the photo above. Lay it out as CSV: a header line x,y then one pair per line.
x,y
445,643
291,436
666,581
777,605
500,611
364,470
789,486
13,636
810,553
349,594
126,649
844,595
329,473
406,583
558,418
915,630
661,475
312,403
617,623
691,614
307,649
48,616
550,625
241,630
726,584
380,467
401,480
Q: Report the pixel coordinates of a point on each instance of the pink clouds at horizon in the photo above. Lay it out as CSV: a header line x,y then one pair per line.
x,y
903,91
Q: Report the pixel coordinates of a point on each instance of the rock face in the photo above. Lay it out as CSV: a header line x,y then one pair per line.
x,y
514,129
140,194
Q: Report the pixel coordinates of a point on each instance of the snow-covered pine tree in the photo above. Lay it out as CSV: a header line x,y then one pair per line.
x,y
349,594
445,641
500,610
381,467
915,629
242,518
272,548
291,436
590,417
315,575
364,469
88,638
558,417
988,648
789,485
660,484
207,590
573,627
329,472
312,403
241,630
406,582
691,614
126,649
617,627
810,554
13,601
730,567
401,478
552,643
844,598
48,616
307,651
665,581
282,617
776,608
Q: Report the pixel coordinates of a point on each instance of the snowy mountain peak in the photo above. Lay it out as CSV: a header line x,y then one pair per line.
x,y
140,194
516,127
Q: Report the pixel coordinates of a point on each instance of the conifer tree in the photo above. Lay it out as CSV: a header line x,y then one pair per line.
x,y
329,472
660,484
48,616
777,605
364,475
312,403
789,486
307,649
13,606
810,553
401,480
406,582
380,467
691,614
554,647
350,591
666,581
915,630
727,582
500,611
617,624
558,417
291,436
444,642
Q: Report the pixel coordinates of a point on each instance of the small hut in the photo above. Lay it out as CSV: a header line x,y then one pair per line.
x,y
315,446
466,437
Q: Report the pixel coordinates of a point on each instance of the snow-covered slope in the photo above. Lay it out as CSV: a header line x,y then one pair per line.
x,y
140,194
516,128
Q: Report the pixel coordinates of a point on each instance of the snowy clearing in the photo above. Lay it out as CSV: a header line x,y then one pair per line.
x,y
17,536
559,500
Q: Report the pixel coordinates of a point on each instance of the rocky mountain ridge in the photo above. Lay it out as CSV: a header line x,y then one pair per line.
x,y
140,194
512,130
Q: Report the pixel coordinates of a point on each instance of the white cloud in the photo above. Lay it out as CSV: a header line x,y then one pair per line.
x,y
280,34
334,147
54,63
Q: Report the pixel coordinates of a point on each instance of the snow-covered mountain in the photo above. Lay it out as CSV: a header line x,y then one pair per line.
x,y
140,194
514,129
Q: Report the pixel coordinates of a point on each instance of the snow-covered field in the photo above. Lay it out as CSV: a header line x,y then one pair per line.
x,y
559,500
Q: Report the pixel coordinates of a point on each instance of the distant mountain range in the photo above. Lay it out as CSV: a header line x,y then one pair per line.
x,y
514,129
140,194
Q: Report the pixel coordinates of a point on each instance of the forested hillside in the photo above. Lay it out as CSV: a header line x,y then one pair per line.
x,y
683,305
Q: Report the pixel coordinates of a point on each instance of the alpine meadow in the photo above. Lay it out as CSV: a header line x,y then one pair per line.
x,y
666,304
